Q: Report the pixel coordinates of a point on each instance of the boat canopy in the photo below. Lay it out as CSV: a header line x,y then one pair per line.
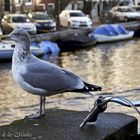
x,y
47,46
110,30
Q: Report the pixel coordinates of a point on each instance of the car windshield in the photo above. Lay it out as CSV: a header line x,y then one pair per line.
x,y
126,10
77,14
19,19
40,17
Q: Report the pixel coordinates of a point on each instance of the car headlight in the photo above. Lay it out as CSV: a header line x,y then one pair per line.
x,y
52,24
89,21
34,28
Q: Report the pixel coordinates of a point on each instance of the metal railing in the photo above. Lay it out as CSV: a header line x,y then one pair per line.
x,y
100,106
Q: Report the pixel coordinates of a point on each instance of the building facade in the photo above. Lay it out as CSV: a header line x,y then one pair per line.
x,y
94,8
12,6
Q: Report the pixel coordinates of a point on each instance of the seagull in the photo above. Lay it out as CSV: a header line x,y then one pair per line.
x,y
40,77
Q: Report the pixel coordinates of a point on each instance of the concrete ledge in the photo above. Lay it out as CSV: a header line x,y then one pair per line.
x,y
64,125
53,36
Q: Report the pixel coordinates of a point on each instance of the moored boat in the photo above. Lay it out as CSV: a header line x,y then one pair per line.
x,y
7,48
75,41
110,33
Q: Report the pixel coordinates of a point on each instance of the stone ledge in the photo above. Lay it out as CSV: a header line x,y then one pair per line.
x,y
64,125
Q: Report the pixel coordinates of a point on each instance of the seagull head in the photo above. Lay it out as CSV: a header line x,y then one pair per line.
x,y
17,35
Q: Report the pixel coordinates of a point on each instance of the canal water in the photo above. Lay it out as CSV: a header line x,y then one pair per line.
x,y
114,66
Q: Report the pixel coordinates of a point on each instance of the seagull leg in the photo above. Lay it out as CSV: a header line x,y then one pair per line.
x,y
41,110
43,105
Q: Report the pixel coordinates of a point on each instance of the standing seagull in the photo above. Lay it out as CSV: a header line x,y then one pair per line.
x,y
40,77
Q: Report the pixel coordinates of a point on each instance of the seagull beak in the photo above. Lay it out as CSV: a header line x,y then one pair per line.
x,y
4,37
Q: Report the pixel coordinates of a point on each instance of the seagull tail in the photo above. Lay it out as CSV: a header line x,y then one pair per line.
x,y
88,87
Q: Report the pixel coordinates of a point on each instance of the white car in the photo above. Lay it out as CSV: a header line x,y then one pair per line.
x,y
74,19
14,21
125,13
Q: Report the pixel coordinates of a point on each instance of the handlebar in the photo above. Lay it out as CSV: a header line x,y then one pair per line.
x,y
97,109
100,106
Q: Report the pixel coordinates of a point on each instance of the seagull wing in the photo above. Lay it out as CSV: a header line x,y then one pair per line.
x,y
44,75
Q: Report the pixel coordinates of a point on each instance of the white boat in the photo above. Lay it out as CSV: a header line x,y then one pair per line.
x,y
110,33
7,48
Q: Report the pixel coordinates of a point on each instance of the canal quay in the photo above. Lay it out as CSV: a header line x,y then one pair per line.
x,y
114,66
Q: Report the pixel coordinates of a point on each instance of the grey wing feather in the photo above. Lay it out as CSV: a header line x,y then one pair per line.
x,y
50,77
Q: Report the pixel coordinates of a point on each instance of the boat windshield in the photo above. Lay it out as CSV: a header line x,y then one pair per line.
x,y
110,30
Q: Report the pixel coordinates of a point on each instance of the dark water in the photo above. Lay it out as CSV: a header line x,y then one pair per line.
x,y
114,66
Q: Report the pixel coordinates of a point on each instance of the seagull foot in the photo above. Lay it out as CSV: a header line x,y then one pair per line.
x,y
35,116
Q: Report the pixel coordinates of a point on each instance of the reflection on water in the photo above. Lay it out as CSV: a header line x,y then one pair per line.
x,y
114,66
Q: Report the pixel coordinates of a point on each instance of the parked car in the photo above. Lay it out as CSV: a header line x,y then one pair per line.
x,y
42,21
74,19
124,13
13,21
